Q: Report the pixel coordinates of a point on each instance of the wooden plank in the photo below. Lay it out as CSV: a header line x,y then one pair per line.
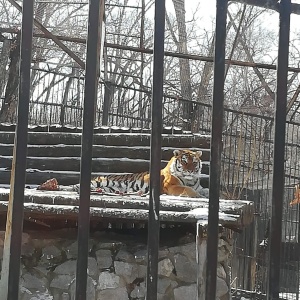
x,y
98,151
173,209
71,212
111,139
108,165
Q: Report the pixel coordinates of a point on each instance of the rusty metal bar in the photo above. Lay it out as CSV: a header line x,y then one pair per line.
x,y
96,14
9,288
155,150
215,150
279,150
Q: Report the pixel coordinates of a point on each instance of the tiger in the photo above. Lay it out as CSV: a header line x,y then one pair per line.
x,y
180,177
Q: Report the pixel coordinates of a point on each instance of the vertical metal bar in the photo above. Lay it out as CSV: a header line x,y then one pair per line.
x,y
155,151
215,150
279,149
14,224
96,13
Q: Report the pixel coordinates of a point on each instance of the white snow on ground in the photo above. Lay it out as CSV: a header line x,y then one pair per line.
x,y
288,296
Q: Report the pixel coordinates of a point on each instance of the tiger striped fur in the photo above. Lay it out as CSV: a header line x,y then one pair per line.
x,y
181,177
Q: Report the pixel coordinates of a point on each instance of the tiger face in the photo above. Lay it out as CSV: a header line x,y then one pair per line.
x,y
187,164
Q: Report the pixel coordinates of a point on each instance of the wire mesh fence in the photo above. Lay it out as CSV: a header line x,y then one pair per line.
x,y
247,159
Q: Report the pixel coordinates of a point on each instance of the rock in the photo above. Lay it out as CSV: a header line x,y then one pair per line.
x,y
117,293
38,296
222,287
161,297
127,270
62,281
72,250
50,252
27,249
109,281
139,291
67,268
188,292
188,250
32,282
140,256
41,270
163,253
92,267
65,296
110,246
104,258
142,271
90,289
220,271
185,269
165,267
164,283
124,255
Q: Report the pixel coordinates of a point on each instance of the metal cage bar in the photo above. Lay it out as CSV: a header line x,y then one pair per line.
x,y
96,11
15,213
155,150
216,148
279,150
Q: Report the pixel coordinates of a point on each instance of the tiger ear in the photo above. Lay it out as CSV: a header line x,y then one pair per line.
x,y
199,153
177,152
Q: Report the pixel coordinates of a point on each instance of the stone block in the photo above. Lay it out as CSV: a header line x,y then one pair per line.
x,y
139,291
32,282
116,293
186,270
90,289
164,283
129,271
109,280
62,282
124,255
188,292
165,267
104,258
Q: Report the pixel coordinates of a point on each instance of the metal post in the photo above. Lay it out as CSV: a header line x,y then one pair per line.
x,y
279,147
14,224
155,151
215,150
96,13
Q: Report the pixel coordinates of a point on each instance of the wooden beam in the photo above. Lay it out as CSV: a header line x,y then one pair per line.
x,y
55,204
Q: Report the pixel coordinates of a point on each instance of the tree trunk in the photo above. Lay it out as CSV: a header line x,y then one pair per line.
x,y
9,107
3,63
185,72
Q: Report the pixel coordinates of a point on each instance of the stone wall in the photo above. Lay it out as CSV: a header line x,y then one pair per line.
x,y
116,266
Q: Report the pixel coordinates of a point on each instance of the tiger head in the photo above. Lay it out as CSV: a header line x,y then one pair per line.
x,y
186,164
